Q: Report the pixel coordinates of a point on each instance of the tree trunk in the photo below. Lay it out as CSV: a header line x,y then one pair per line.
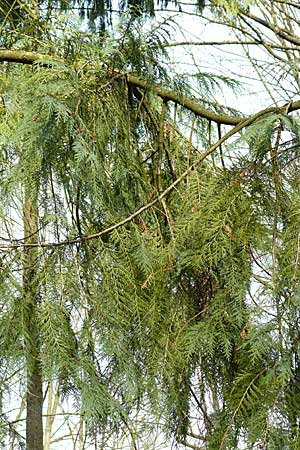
x,y
34,423
34,399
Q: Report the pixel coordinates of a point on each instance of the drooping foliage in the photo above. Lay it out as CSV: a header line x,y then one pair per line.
x,y
93,149
186,314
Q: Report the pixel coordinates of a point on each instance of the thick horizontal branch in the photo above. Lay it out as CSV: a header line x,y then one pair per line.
x,y
192,105
185,101
168,95
20,56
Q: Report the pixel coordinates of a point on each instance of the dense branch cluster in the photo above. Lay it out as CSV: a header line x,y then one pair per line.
x,y
149,236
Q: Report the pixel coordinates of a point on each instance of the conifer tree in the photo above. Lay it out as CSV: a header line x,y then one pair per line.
x,y
148,276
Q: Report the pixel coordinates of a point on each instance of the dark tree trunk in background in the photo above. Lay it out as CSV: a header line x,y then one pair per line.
x,y
34,399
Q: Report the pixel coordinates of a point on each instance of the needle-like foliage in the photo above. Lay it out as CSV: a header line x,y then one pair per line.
x,y
149,274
